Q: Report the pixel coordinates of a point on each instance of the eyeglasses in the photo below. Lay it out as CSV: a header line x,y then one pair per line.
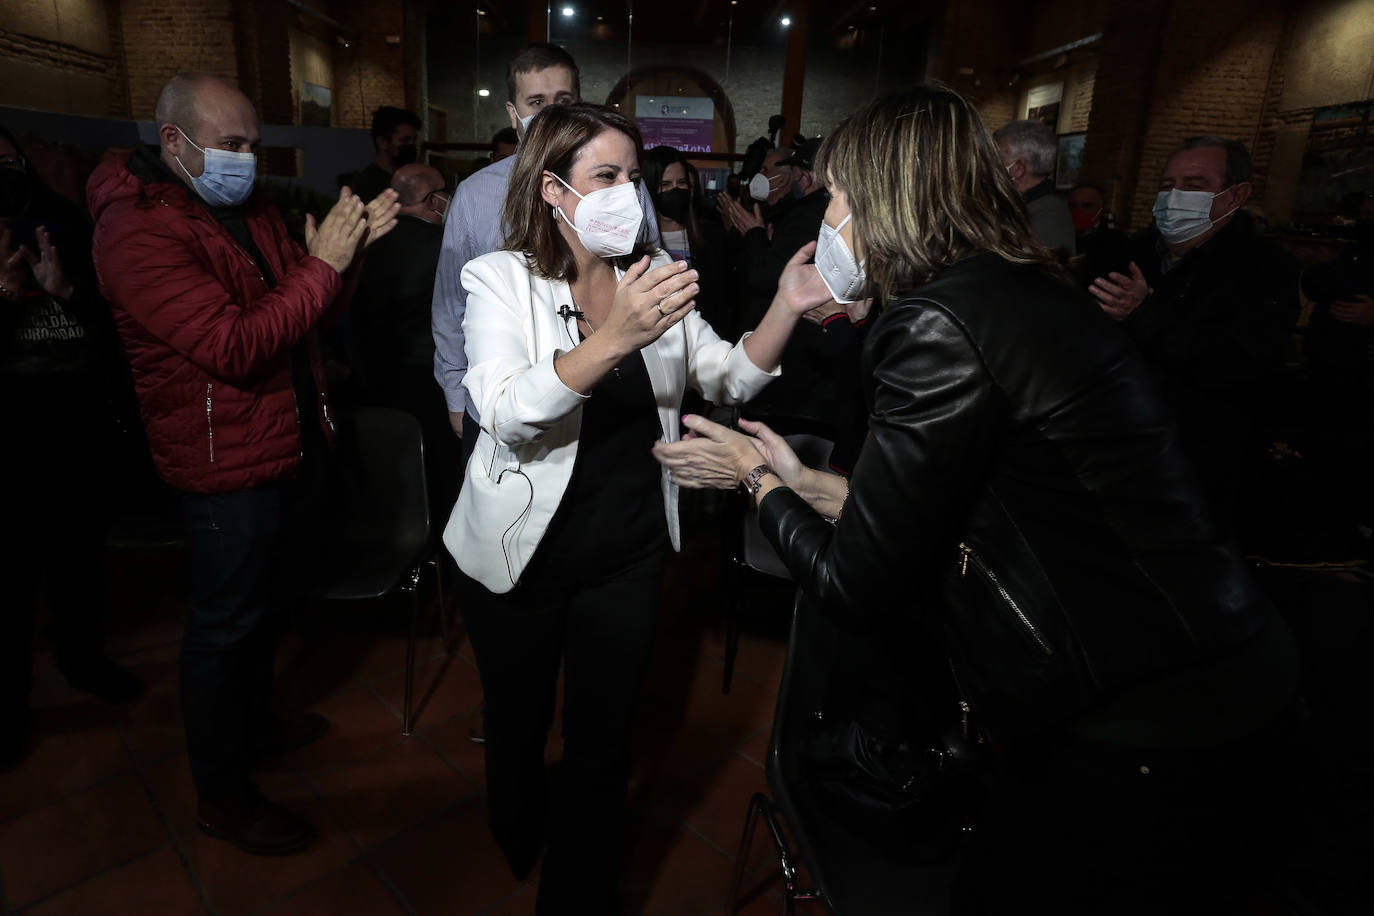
x,y
14,161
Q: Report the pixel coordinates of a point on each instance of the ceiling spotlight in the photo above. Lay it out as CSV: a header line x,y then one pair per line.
x,y
567,11
786,22
481,12
483,93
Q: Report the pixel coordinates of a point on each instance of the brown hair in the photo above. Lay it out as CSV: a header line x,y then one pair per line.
x,y
926,188
552,144
541,56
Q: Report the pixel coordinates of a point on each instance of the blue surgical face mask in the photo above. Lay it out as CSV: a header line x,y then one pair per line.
x,y
1184,215
227,178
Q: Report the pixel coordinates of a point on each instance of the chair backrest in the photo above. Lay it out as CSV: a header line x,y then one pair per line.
x,y
755,551
379,521
861,862
395,492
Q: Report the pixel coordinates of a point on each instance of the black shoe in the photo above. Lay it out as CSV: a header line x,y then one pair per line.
x,y
16,735
285,734
254,825
99,675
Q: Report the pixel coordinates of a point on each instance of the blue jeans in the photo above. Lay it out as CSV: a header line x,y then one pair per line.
x,y
230,639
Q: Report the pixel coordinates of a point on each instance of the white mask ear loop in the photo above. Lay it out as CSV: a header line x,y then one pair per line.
x,y
559,210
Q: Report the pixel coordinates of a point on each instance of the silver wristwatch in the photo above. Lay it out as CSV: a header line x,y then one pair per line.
x,y
753,481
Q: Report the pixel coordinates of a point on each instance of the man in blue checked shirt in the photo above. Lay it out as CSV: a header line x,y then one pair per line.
x,y
540,75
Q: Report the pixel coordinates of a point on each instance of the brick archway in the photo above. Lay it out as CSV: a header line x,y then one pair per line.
x,y
671,79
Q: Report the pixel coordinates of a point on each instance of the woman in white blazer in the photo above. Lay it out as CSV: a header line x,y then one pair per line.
x,y
580,344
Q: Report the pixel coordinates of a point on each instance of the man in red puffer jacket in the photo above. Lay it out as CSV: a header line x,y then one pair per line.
x,y
216,307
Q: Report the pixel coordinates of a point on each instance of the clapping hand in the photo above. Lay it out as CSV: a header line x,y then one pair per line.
x,y
738,218
1359,310
381,215
13,276
1118,294
45,267
336,239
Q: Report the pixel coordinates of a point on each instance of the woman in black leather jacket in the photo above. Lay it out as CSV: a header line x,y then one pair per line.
x,y
1022,491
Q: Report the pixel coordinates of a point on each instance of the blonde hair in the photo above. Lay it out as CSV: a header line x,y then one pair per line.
x,y
926,188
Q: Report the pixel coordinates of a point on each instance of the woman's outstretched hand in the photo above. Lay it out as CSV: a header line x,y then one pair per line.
x,y
800,288
710,456
649,302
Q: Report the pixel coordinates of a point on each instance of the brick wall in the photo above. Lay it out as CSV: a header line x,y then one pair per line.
x,y
166,37
55,56
370,72
115,73
988,38
1122,87
1212,78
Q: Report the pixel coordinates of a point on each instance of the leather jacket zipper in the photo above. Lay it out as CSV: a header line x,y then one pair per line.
x,y
965,708
209,417
967,557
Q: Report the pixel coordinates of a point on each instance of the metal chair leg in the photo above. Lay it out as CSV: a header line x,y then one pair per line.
x,y
751,824
407,711
760,806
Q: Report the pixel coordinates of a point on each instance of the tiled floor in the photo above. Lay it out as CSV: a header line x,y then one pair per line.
x,y
100,818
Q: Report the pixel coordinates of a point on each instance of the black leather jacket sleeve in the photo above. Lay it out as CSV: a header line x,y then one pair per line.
x,y
935,422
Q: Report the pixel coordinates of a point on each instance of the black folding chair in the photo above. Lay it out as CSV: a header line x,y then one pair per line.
x,y
860,863
382,543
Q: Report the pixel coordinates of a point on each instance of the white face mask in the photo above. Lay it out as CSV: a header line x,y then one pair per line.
x,y
760,186
843,275
608,220
1184,215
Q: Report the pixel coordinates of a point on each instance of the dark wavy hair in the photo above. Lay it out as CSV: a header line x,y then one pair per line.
x,y
926,188
552,144
654,162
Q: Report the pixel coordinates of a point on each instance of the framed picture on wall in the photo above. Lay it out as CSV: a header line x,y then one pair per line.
x,y
315,103
1042,104
1070,159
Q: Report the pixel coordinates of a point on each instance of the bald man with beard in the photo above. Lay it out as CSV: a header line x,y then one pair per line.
x,y
217,308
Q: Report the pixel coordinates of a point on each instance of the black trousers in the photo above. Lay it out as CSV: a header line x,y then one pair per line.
x,y
600,626
52,533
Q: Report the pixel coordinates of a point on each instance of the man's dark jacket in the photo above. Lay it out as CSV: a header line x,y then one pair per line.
x,y
1022,488
390,313
1214,332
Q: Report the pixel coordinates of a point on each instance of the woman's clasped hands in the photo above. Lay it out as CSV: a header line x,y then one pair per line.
x,y
712,456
